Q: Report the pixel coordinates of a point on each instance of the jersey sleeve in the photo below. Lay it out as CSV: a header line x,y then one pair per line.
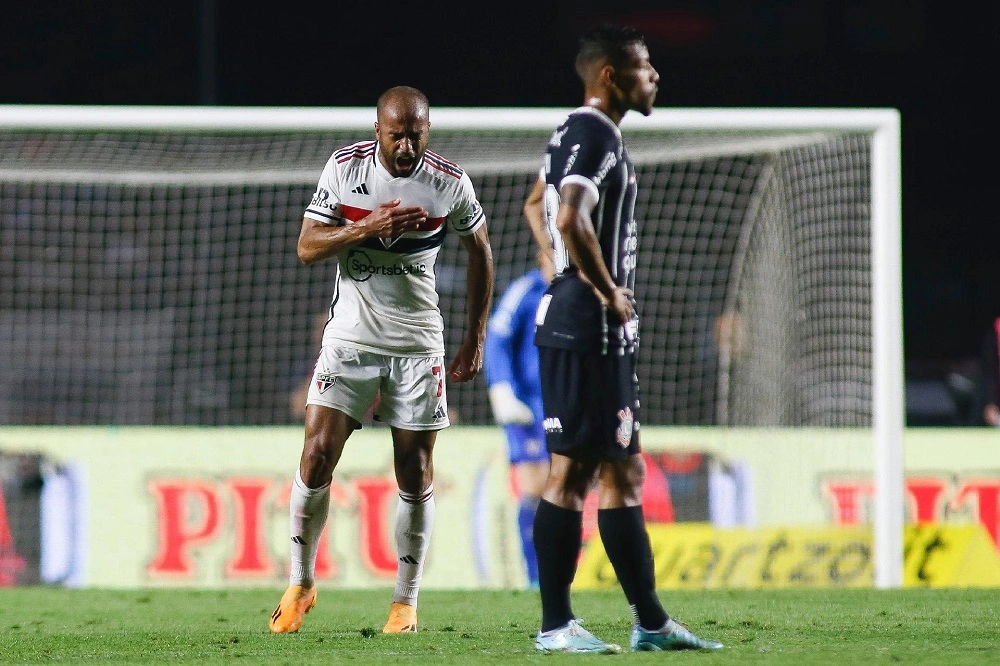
x,y
595,150
466,215
325,204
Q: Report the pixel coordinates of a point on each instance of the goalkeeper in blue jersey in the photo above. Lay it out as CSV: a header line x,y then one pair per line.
x,y
510,360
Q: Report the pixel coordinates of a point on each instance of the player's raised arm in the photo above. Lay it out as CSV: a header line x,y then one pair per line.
x,y
318,240
479,291
577,231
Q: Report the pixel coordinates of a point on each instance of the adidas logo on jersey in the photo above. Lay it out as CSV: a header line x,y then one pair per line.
x,y
361,189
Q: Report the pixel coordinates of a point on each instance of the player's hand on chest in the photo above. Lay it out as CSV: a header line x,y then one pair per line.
x,y
391,219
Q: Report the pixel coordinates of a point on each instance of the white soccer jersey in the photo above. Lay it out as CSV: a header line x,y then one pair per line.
x,y
385,299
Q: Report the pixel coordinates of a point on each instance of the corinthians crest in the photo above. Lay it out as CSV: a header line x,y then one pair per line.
x,y
625,423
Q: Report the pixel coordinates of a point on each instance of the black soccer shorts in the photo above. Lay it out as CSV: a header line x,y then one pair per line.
x,y
591,403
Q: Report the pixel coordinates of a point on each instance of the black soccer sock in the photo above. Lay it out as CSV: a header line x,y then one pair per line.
x,y
558,538
623,532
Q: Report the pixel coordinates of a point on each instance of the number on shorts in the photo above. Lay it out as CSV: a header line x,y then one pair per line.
x,y
436,371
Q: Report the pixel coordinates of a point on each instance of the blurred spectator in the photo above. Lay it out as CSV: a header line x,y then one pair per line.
x,y
991,375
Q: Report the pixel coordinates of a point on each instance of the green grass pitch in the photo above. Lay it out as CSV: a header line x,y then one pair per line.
x,y
159,626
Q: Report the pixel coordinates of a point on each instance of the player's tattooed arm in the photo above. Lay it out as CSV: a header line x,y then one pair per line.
x,y
318,241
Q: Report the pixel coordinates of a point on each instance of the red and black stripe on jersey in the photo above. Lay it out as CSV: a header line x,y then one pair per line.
x,y
357,151
402,245
435,161
406,245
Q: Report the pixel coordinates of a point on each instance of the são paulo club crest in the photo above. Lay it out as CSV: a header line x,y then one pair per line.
x,y
625,423
325,380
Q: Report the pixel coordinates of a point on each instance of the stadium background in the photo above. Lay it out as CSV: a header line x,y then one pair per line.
x,y
920,59
927,59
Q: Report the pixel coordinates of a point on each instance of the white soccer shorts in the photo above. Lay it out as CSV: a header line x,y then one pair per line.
x,y
410,389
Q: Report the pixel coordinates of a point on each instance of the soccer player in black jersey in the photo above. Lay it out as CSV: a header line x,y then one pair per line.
x,y
587,334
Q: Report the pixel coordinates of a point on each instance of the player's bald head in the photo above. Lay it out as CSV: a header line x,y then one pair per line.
x,y
402,102
401,127
604,45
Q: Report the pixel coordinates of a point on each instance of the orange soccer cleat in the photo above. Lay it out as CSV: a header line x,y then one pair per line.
x,y
292,609
402,619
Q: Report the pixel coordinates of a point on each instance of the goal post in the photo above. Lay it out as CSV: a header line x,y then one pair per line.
x,y
148,254
888,409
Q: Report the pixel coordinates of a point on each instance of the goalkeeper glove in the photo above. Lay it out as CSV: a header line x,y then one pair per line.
x,y
507,409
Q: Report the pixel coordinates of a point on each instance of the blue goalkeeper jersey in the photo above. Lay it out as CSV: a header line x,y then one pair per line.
x,y
510,354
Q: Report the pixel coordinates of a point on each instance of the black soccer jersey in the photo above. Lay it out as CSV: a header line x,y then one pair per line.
x,y
587,149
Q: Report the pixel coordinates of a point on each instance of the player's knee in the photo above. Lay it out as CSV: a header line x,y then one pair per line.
x,y
571,478
625,478
415,480
636,472
316,466
320,455
531,477
414,469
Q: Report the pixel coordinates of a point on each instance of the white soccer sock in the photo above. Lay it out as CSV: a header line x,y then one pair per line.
x,y
307,510
414,521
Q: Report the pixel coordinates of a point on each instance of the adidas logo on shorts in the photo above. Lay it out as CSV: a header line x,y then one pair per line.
x,y
440,413
552,424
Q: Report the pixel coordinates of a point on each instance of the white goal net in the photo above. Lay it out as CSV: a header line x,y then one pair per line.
x,y
148,272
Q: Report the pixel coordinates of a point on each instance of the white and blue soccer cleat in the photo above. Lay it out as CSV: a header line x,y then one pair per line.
x,y
572,637
673,636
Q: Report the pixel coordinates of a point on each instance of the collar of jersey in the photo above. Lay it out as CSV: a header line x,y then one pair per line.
x,y
384,174
603,116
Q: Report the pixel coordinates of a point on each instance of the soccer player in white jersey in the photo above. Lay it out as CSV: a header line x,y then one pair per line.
x,y
381,211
